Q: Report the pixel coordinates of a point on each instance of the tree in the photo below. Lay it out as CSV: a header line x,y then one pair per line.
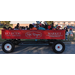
x,y
5,22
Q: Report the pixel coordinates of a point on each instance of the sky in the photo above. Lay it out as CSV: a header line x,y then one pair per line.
x,y
22,22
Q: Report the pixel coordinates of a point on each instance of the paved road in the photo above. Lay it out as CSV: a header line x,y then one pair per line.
x,y
37,49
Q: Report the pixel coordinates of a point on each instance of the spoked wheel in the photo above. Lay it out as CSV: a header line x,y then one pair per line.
x,y
58,47
8,47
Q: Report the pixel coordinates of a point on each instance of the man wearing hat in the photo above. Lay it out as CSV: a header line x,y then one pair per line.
x,y
70,34
34,24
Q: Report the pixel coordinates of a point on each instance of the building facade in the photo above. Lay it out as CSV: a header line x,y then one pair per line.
x,y
71,23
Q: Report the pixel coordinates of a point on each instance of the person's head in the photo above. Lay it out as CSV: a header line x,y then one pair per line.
x,y
22,27
33,23
30,25
4,28
17,24
52,24
26,26
46,26
71,29
9,28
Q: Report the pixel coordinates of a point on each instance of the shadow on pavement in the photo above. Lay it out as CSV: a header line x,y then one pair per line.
x,y
33,50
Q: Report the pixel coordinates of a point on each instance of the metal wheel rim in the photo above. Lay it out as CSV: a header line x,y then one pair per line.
x,y
58,47
7,47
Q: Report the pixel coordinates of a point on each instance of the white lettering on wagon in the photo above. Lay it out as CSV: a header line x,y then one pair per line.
x,y
54,34
33,34
12,34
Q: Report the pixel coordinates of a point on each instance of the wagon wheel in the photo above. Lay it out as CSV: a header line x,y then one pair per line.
x,y
8,47
58,47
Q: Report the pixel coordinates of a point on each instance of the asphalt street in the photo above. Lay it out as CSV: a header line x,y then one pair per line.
x,y
39,49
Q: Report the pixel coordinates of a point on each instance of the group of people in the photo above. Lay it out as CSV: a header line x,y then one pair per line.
x,y
34,27
68,33
17,27
43,27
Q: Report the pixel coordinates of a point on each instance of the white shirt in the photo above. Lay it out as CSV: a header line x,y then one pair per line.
x,y
70,32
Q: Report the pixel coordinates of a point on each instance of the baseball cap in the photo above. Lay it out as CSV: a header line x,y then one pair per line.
x,y
70,28
59,26
33,24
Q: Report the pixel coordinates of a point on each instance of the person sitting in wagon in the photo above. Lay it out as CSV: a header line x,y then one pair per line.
x,y
26,28
4,28
52,26
41,27
58,27
32,27
17,27
9,28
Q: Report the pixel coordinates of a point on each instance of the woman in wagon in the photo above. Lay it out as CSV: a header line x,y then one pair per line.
x,y
17,26
4,28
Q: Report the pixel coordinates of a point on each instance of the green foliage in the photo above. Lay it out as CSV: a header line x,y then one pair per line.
x,y
5,22
49,22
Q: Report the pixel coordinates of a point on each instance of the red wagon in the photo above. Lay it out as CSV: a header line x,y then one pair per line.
x,y
13,37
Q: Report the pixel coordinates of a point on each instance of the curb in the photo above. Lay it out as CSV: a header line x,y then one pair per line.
x,y
69,42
